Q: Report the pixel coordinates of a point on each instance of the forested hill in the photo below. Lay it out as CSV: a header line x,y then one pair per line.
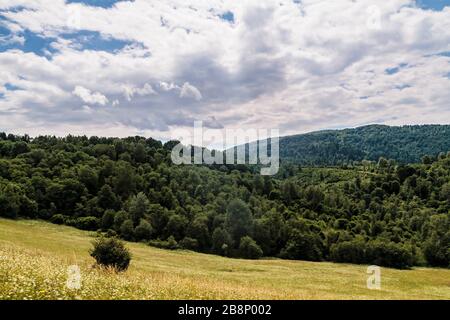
x,y
406,144
381,213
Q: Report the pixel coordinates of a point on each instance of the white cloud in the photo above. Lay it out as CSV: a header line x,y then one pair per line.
x,y
189,91
129,91
12,39
296,66
90,97
165,86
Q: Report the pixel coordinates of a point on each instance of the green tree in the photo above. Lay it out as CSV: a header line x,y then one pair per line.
x,y
127,230
239,221
445,192
89,178
302,246
139,206
144,230
198,229
437,246
9,200
249,249
106,199
140,154
221,242
176,226
124,180
107,221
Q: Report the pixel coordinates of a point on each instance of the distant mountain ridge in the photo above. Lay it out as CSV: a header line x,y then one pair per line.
x,y
405,144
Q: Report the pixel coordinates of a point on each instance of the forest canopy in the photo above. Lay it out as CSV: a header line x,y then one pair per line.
x,y
383,212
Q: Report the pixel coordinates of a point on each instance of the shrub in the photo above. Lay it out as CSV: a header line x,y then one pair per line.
x,y
249,249
87,223
349,251
378,252
189,243
302,246
111,233
389,254
111,252
170,243
58,219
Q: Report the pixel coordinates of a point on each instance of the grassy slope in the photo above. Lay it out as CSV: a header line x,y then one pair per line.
x,y
34,257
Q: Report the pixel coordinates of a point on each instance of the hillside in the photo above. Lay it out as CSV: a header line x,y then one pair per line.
x,y
34,257
406,144
370,213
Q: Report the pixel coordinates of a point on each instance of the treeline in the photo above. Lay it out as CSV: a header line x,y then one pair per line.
x,y
372,212
406,144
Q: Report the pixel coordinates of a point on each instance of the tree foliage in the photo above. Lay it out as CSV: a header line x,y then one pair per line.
x,y
376,211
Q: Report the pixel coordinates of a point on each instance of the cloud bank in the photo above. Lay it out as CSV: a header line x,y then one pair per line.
x,y
149,67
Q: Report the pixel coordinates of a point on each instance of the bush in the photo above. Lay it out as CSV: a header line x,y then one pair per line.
x,y
302,246
349,251
389,254
249,249
111,233
111,252
58,219
378,252
87,223
189,243
170,243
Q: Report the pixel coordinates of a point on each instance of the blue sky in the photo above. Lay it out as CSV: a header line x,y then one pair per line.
x,y
433,4
96,3
147,67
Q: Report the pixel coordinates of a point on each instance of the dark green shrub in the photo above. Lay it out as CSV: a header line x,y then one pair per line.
x,y
349,251
170,243
111,233
379,252
111,252
389,254
87,223
189,243
58,219
302,246
249,249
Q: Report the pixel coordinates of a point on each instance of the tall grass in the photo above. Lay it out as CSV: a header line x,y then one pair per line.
x,y
35,256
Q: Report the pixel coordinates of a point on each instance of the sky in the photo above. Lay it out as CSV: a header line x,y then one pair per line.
x,y
144,67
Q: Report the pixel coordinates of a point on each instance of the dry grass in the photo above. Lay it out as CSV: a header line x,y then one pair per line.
x,y
34,257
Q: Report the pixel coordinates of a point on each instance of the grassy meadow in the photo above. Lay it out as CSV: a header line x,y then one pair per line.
x,y
35,256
